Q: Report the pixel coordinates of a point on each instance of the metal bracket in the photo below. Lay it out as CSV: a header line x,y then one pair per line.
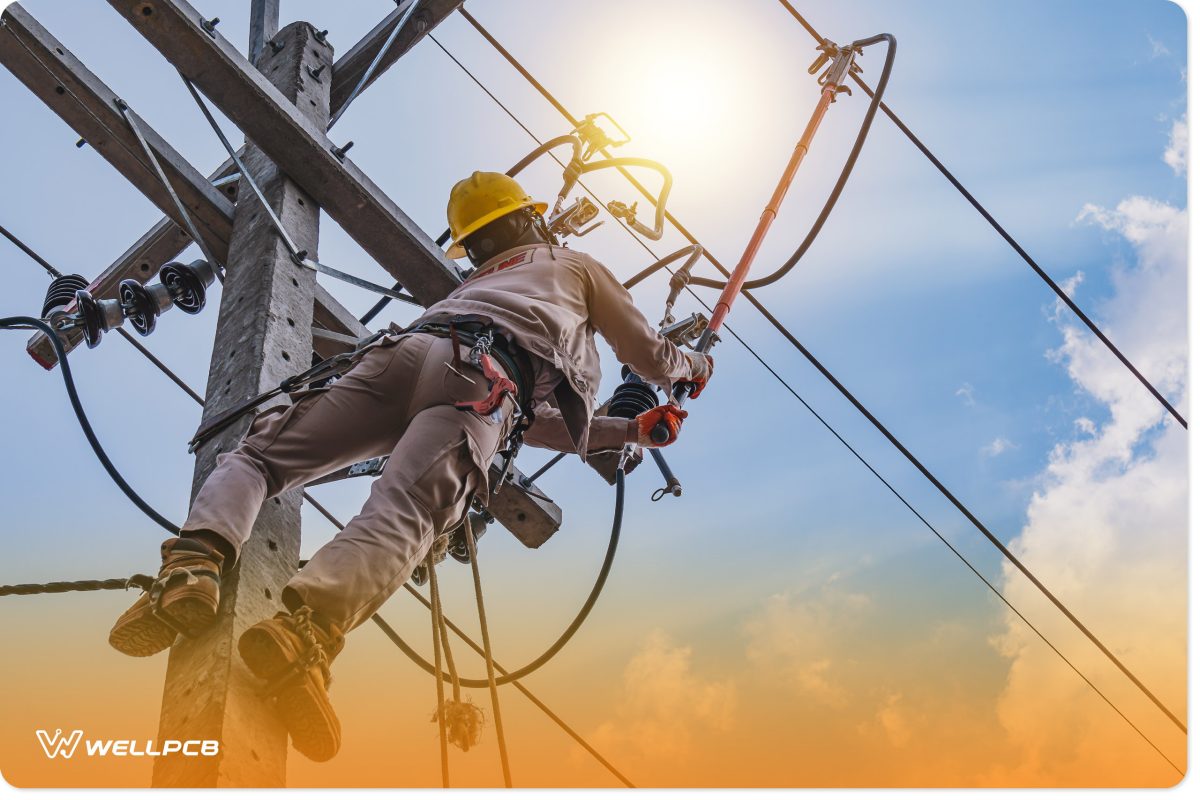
x,y
572,219
686,330
372,466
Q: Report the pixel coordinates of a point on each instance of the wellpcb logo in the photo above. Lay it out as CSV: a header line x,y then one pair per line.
x,y
58,745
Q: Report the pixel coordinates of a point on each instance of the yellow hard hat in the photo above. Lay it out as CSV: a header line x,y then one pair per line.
x,y
480,199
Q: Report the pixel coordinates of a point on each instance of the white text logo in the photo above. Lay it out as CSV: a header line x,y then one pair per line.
x,y
59,745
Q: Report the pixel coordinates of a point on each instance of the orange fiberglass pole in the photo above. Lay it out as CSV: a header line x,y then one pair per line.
x,y
831,82
734,286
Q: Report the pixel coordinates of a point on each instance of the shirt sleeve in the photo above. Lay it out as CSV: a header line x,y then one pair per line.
x,y
604,433
625,328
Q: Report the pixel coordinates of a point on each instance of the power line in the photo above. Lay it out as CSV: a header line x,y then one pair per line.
x,y
24,248
995,541
1004,234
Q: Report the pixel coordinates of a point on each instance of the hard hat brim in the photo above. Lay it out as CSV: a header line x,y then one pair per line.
x,y
456,249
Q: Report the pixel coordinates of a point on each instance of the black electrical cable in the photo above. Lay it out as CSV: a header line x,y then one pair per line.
x,y
845,392
27,250
567,635
1004,234
24,323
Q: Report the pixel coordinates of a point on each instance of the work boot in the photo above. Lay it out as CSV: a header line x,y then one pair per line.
x,y
292,652
182,601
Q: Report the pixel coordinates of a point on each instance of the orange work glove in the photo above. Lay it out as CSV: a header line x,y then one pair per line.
x,y
702,369
671,416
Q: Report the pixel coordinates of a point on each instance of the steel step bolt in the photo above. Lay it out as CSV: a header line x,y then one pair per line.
x,y
210,26
316,73
320,36
340,152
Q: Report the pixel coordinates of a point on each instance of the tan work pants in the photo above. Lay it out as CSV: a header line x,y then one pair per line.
x,y
398,401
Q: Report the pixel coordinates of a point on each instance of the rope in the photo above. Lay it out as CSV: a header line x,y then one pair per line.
x,y
1004,234
403,646
142,582
473,552
440,712
837,384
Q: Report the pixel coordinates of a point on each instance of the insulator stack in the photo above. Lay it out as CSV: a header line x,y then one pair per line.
x,y
62,292
633,397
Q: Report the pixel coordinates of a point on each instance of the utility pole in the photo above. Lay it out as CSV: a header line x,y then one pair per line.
x,y
264,334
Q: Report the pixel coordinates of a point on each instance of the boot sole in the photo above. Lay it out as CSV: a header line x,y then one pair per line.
x,y
139,633
304,708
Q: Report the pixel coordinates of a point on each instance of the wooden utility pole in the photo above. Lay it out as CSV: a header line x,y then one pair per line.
x,y
264,334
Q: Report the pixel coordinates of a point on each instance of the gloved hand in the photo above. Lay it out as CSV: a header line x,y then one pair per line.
x,y
672,416
702,369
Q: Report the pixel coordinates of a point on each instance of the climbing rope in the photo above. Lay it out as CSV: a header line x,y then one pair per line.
x,y
463,719
439,713
473,552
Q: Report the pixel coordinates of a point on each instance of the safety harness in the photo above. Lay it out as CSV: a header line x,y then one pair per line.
x,y
489,345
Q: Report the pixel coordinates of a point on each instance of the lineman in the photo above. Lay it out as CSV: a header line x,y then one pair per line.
x,y
512,349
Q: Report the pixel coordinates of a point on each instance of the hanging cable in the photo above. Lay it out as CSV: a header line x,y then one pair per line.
x,y
571,629
32,323
1004,234
847,394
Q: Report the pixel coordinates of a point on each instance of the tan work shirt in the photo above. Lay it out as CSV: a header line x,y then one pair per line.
x,y
552,301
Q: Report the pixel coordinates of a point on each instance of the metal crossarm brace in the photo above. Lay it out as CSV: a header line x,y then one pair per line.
x,y
349,69
296,144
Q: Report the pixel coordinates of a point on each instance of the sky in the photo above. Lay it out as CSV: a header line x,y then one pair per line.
x,y
787,621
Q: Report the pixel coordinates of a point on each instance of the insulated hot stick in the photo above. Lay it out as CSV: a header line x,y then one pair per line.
x,y
832,84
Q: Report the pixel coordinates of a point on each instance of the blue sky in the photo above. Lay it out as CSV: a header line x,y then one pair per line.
x,y
908,296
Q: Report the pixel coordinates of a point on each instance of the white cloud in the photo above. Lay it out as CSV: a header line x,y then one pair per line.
x,y
967,393
894,720
1107,527
663,702
1176,154
1157,48
792,640
996,447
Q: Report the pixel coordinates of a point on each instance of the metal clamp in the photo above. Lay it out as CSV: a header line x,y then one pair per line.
x,y
571,220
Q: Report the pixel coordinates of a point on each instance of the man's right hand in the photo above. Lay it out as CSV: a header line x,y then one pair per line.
x,y
670,415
